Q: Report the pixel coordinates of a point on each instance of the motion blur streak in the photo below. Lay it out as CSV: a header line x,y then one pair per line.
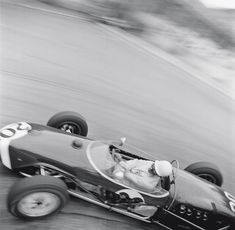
x,y
52,63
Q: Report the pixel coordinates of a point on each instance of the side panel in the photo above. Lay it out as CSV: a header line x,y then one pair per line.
x,y
49,144
173,221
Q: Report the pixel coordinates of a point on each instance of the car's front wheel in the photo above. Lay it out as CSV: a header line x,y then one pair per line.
x,y
70,122
207,171
37,197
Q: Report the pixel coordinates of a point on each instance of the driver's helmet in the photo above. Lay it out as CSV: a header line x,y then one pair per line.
x,y
163,168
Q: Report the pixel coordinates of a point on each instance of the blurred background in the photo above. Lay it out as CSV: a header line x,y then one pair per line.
x,y
201,33
159,72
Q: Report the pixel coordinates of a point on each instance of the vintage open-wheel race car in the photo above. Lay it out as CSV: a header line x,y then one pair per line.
x,y
58,160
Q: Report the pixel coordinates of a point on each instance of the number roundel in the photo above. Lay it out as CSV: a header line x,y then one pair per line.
x,y
8,134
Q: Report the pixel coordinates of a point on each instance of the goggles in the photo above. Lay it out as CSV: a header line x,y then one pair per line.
x,y
152,170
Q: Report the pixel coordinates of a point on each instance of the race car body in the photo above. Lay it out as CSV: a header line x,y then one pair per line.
x,y
184,201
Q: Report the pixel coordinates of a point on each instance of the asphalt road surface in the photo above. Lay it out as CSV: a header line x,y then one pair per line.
x,y
53,62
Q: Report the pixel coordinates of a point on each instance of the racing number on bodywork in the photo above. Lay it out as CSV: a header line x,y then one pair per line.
x,y
9,133
231,200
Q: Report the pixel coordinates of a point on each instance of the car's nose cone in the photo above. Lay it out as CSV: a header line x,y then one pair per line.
x,y
7,134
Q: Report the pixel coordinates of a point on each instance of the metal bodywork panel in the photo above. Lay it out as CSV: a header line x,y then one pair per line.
x,y
22,147
53,147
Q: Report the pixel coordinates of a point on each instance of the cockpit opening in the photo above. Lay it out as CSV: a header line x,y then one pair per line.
x,y
116,165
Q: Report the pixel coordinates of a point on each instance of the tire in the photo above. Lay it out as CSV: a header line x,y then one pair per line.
x,y
69,122
36,197
207,171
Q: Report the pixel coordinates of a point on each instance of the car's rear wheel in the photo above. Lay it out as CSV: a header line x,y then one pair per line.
x,y
37,197
207,171
70,122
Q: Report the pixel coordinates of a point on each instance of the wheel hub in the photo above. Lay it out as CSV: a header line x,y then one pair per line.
x,y
70,128
38,204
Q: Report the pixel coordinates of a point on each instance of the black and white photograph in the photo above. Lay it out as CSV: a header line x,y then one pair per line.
x,y
117,114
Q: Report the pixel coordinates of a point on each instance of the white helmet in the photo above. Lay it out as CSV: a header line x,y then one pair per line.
x,y
163,168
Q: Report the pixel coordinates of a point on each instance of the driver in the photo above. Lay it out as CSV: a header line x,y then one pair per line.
x,y
142,174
